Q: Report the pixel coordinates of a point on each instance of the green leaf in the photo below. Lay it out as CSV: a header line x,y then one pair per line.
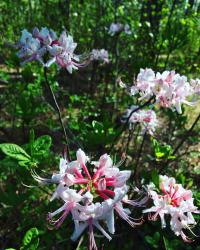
x,y
43,143
167,244
31,239
155,177
15,152
98,127
162,151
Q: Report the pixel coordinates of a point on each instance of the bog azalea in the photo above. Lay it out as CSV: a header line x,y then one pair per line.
x,y
92,198
173,200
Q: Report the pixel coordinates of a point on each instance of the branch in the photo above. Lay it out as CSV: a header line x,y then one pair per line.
x,y
187,134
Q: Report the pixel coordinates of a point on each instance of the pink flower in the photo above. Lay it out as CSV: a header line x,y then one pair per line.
x,y
44,42
146,118
176,201
91,197
195,83
45,36
170,90
63,55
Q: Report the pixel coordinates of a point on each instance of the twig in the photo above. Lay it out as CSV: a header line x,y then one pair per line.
x,y
185,137
137,169
58,111
187,134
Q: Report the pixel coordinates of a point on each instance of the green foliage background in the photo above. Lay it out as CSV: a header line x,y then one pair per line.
x,y
165,35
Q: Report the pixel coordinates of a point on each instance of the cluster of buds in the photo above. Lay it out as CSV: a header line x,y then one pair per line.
x,y
172,199
99,55
34,47
170,90
93,199
117,28
146,118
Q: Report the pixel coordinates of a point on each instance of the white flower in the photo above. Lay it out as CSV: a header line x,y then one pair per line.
x,y
146,118
195,83
91,198
145,82
99,55
30,48
127,29
63,53
44,42
115,28
175,201
170,90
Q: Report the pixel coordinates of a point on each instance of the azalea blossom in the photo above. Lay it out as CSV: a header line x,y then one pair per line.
x,y
91,197
30,48
99,55
195,83
34,46
62,53
116,28
146,118
175,201
127,29
169,89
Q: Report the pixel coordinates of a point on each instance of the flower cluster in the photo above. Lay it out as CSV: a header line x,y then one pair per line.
x,y
170,89
116,28
175,201
99,55
196,85
91,199
146,118
34,46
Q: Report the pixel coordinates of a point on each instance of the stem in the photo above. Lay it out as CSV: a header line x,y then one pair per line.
x,y
130,135
185,137
58,111
187,134
137,168
167,27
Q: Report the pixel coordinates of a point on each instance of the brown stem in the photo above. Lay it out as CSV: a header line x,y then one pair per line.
x,y
187,134
185,137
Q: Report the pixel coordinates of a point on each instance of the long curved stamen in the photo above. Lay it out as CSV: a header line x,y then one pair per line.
x,y
126,217
91,236
57,223
40,179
